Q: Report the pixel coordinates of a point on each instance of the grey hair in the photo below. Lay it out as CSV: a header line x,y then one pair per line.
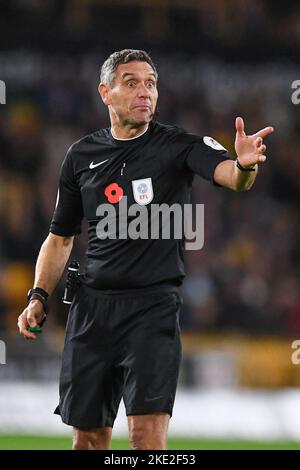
x,y
109,67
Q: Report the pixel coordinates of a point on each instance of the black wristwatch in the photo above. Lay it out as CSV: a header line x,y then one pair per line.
x,y
37,293
242,168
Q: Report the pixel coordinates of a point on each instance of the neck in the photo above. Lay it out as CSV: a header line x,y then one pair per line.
x,y
124,134
127,132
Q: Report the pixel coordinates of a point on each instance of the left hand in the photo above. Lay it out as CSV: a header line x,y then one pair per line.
x,y
250,149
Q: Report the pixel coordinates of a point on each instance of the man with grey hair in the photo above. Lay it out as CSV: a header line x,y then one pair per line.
x,y
122,335
108,69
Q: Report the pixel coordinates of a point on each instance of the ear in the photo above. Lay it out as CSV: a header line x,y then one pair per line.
x,y
104,93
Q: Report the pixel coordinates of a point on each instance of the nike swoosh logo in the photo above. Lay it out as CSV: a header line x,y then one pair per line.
x,y
93,165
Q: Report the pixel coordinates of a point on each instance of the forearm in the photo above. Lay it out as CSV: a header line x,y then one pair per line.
x,y
228,175
242,180
51,261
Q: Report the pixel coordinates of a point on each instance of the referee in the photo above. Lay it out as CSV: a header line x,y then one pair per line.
x,y
122,335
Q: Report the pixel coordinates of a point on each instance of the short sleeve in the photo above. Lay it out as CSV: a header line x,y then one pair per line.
x,y
201,155
68,213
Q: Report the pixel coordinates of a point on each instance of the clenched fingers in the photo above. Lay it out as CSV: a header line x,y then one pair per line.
x,y
22,325
262,148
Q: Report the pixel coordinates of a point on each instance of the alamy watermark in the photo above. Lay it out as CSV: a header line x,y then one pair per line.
x,y
2,92
159,222
295,358
2,352
296,94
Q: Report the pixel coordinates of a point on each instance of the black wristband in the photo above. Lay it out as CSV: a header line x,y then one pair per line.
x,y
39,291
39,294
241,168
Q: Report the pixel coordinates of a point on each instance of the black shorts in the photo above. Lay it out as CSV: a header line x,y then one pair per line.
x,y
119,345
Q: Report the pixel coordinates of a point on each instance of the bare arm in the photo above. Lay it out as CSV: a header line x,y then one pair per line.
x,y
250,150
228,175
51,262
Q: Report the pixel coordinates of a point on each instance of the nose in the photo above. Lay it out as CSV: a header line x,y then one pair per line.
x,y
143,91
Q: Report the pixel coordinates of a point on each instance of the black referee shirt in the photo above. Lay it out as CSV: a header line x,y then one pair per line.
x,y
98,168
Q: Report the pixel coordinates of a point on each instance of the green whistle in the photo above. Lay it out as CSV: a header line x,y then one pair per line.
x,y
35,329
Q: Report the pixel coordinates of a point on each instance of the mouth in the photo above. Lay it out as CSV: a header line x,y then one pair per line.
x,y
144,107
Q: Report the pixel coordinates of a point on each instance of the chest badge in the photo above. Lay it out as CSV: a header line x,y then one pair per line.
x,y
142,191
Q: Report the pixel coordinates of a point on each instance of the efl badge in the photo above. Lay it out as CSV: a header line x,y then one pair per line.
x,y
142,191
214,144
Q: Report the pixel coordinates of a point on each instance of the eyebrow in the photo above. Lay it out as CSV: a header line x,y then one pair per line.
x,y
126,74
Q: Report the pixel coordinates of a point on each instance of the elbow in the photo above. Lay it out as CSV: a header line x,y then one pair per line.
x,y
68,241
60,241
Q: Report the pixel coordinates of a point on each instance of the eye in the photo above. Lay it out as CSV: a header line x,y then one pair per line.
x,y
131,83
150,84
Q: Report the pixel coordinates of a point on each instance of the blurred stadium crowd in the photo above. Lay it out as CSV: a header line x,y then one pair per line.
x,y
230,61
